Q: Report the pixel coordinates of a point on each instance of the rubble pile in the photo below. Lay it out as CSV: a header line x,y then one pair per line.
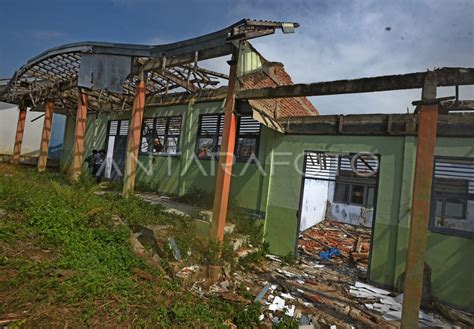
x,y
352,242
313,293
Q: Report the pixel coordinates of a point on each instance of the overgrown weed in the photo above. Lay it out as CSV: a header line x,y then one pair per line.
x,y
90,269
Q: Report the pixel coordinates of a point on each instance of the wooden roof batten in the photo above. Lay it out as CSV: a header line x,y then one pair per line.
x,y
56,74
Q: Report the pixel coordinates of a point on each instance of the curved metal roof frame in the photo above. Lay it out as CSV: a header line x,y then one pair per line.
x,y
54,73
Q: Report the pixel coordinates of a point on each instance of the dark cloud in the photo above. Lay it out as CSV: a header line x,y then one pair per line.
x,y
348,39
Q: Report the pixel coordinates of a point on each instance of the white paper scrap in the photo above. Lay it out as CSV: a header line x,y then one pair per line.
x,y
278,304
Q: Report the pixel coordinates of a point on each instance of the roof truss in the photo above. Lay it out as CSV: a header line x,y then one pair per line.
x,y
174,67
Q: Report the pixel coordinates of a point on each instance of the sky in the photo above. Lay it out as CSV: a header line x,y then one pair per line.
x,y
337,39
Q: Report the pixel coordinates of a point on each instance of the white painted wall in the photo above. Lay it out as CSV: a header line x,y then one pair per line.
x,y
32,134
346,213
317,205
315,197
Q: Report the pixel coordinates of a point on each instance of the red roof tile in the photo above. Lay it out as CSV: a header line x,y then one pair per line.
x,y
273,74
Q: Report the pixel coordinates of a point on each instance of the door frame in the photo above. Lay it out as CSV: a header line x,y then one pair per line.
x,y
300,206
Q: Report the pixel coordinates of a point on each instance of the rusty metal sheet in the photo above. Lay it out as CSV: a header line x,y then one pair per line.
x,y
104,72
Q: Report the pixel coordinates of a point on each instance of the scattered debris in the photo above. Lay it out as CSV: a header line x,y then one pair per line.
x,y
277,305
324,288
262,293
327,255
323,239
390,307
174,248
187,271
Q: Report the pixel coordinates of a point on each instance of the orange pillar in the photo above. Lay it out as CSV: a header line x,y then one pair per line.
x,y
224,169
20,128
415,262
45,136
133,142
80,132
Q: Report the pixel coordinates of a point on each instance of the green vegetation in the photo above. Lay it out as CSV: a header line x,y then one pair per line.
x,y
66,260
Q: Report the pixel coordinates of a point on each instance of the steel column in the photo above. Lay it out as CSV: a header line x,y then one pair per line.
x,y
80,133
133,142
20,128
45,136
226,157
415,262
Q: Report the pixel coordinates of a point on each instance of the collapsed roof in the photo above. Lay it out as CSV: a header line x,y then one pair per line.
x,y
108,72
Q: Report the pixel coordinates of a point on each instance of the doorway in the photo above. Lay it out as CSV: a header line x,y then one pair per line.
x,y
337,207
117,135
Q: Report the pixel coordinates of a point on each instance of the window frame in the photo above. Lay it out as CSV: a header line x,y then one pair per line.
x,y
166,136
218,136
445,194
348,201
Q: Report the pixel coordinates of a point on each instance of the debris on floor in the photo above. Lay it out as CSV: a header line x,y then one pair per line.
x,y
326,287
329,238
390,307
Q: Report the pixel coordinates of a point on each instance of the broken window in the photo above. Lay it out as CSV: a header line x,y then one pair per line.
x,y
452,205
339,187
355,194
161,135
210,137
248,137
354,175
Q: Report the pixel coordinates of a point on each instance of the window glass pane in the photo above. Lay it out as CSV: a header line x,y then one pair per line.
x,y
148,136
357,195
158,144
369,201
160,125
113,128
123,128
454,208
341,193
219,142
144,145
205,147
174,126
172,145
209,124
245,148
439,207
248,126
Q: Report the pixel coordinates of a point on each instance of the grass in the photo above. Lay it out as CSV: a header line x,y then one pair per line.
x,y
66,260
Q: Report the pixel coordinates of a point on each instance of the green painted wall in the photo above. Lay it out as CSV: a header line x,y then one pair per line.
x,y
275,188
177,174
450,257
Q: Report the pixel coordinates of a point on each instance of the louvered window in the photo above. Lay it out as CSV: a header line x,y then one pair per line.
x,y
160,135
452,199
210,137
118,128
355,175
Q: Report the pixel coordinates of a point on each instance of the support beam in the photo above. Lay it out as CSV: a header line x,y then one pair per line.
x,y
458,105
445,77
187,58
180,82
79,136
133,142
20,128
45,135
226,158
425,151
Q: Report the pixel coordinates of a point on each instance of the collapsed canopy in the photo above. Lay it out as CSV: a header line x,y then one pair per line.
x,y
108,72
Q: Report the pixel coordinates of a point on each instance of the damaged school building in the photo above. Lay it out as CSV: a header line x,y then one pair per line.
x,y
163,118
